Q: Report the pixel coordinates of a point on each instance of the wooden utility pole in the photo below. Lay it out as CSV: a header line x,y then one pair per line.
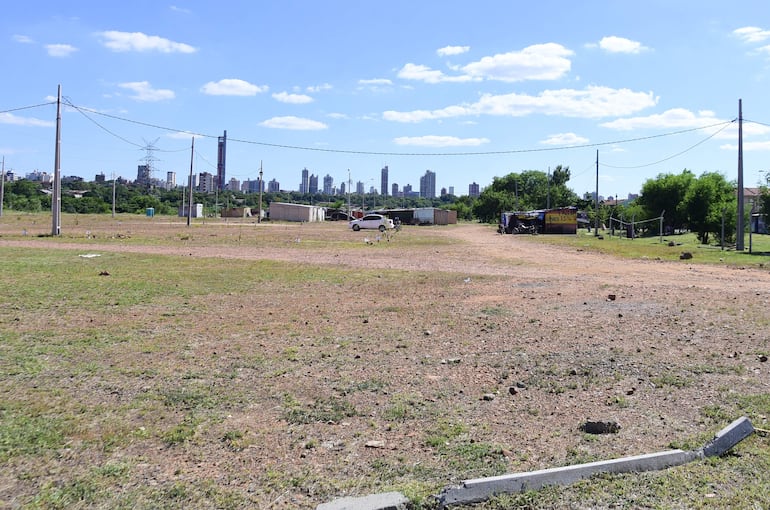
x,y
56,195
739,232
2,188
113,194
596,197
190,204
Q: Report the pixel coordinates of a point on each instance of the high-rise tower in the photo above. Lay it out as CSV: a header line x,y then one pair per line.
x,y
221,152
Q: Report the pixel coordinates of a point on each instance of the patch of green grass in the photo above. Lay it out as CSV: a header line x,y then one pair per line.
x,y
25,434
652,248
443,433
323,410
182,432
672,380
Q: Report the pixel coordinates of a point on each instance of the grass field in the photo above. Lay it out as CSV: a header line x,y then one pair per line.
x,y
145,379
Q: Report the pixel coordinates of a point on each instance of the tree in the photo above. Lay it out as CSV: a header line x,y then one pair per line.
x,y
490,204
706,200
666,193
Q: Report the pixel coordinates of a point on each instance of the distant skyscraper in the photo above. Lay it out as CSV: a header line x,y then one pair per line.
x,y
273,186
328,184
343,188
313,184
384,180
451,190
206,182
143,174
428,185
473,189
221,151
304,185
394,190
360,188
170,180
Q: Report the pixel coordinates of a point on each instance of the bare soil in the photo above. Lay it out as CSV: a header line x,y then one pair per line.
x,y
386,382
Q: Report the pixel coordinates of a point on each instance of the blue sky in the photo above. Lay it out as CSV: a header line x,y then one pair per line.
x,y
469,90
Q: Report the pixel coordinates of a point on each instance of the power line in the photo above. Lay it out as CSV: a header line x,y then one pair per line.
x,y
27,107
412,154
674,155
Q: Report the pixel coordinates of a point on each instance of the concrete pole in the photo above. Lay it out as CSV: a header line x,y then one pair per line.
x,y
56,195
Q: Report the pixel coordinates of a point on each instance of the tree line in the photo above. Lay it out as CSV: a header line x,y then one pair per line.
x,y
686,202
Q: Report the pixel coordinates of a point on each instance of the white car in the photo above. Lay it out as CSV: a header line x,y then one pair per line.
x,y
373,221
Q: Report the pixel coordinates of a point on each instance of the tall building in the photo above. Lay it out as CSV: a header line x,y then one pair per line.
x,y
384,180
170,180
473,189
273,186
394,190
313,184
206,182
343,188
221,152
304,184
451,190
428,185
328,184
143,175
360,187
234,184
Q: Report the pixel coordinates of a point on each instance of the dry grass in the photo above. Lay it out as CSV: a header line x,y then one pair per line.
x,y
280,366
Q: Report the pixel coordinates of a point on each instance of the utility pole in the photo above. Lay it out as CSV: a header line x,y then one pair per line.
x,y
190,204
739,233
259,218
56,195
349,210
113,194
2,188
596,196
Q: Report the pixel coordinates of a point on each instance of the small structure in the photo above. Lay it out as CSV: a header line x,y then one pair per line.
x,y
543,221
421,216
237,212
197,211
281,211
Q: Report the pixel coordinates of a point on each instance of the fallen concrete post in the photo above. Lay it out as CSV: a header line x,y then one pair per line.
x,y
481,489
728,437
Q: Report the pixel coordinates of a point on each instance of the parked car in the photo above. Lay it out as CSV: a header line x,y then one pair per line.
x,y
373,221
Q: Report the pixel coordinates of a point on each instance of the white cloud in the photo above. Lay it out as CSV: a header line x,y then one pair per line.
x,y
591,102
336,115
614,44
285,97
752,34
537,62
564,139
143,91
232,87
23,39
60,50
452,50
176,8
296,123
318,88
675,118
440,141
15,120
181,135
748,146
426,74
375,81
137,41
